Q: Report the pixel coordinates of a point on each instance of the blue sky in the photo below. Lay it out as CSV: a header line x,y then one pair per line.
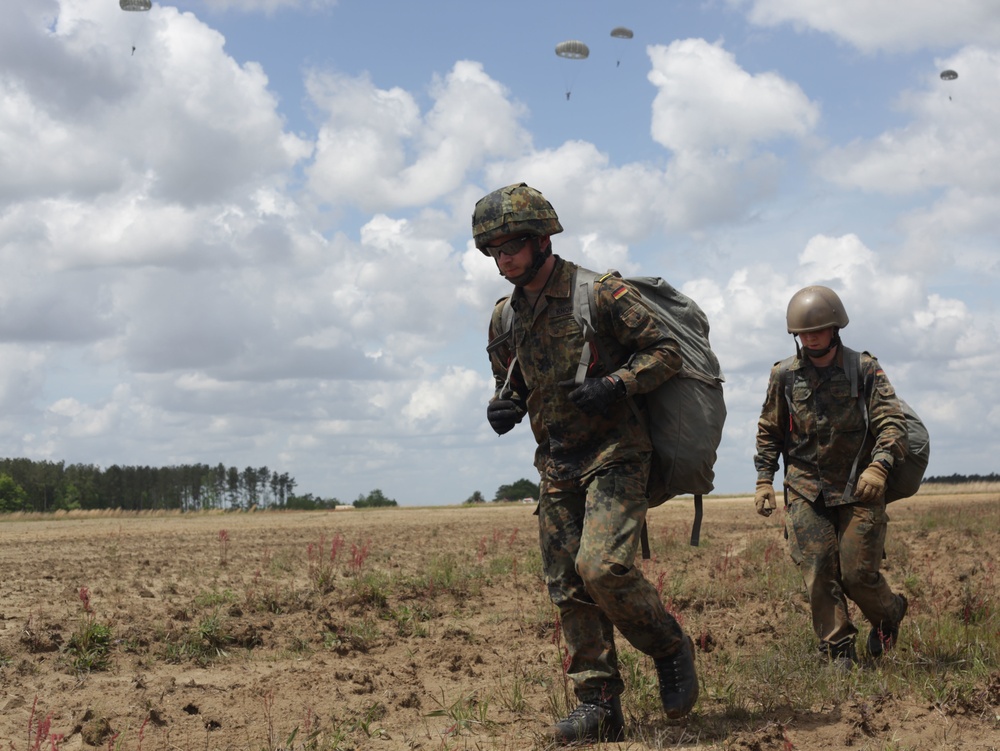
x,y
248,241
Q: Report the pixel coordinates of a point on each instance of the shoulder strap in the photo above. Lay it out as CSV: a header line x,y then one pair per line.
x,y
584,310
852,366
506,327
785,379
506,331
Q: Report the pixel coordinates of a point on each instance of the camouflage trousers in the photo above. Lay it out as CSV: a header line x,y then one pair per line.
x,y
589,531
839,551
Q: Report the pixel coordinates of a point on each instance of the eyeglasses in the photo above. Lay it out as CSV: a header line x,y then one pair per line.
x,y
509,248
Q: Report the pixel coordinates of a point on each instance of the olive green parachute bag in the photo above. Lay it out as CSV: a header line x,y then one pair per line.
x,y
685,415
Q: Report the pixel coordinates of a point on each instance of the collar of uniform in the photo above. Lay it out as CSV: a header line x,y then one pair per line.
x,y
803,362
560,283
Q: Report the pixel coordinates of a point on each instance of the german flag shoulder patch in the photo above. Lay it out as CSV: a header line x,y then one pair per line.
x,y
620,292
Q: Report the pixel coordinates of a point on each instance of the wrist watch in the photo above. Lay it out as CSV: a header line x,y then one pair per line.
x,y
885,465
618,383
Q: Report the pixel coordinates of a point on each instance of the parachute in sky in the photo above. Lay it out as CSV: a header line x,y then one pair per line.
x,y
571,49
948,75
620,32
140,5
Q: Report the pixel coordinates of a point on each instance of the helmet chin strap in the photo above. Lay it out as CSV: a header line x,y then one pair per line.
x,y
817,353
538,258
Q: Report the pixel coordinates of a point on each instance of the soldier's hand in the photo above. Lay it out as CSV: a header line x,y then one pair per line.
x,y
871,484
503,415
764,498
595,395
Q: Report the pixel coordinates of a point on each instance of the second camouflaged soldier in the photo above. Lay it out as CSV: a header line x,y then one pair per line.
x,y
836,528
593,457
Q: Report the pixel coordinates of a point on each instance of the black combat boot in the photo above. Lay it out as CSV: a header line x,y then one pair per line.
x,y
678,680
591,722
841,655
883,637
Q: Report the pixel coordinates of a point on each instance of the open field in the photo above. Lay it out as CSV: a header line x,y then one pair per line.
x,y
431,629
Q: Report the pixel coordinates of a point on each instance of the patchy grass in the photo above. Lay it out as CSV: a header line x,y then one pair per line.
x,y
432,628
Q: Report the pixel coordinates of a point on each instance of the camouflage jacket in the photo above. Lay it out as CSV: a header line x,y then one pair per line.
x,y
826,430
548,342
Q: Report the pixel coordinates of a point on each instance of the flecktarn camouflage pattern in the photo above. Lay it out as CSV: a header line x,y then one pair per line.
x,y
513,210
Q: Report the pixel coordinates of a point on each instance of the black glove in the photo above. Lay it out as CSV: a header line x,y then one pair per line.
x,y
595,395
503,415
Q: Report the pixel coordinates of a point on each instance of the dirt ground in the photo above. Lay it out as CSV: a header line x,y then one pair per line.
x,y
410,629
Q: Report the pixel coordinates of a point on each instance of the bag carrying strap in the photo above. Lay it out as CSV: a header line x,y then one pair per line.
x,y
506,332
852,364
583,310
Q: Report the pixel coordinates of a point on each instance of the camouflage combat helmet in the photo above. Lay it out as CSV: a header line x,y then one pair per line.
x,y
514,210
814,309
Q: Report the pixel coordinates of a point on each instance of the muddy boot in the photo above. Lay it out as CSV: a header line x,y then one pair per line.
x,y
591,722
883,636
678,680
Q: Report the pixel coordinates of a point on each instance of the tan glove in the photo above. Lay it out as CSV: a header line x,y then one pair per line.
x,y
764,499
871,484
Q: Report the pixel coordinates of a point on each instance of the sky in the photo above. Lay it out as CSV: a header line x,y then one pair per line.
x,y
239,231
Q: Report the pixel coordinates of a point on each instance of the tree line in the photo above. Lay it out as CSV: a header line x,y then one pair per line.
x,y
957,479
516,491
28,485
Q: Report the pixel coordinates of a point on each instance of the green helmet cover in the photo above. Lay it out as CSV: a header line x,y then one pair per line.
x,y
514,210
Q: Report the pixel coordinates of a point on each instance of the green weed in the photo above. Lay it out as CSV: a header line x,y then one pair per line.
x,y
372,588
463,713
410,621
214,599
89,647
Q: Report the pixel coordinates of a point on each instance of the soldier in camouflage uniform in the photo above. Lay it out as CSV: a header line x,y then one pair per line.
x,y
835,536
593,456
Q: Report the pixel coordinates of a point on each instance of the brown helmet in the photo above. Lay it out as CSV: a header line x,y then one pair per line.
x,y
514,210
814,309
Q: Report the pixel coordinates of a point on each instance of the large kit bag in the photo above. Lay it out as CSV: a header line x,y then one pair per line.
x,y
905,477
686,414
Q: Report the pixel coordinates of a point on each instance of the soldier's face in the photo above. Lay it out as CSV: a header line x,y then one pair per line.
x,y
816,340
512,265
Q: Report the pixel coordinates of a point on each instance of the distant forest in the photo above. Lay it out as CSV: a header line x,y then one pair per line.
x,y
27,485
960,479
